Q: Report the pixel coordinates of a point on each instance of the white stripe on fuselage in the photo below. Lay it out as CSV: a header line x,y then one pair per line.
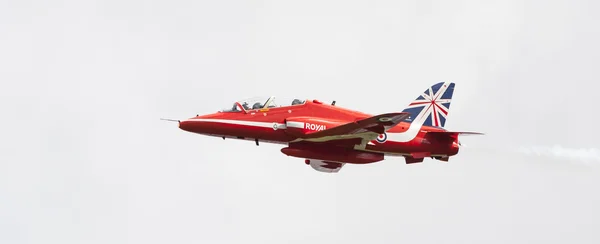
x,y
242,122
295,124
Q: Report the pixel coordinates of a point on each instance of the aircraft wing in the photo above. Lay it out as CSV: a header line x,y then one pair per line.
x,y
376,124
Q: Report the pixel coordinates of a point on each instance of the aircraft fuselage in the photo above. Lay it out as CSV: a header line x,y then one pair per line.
x,y
283,125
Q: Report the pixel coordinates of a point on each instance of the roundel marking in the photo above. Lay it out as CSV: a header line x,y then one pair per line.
x,y
385,119
381,138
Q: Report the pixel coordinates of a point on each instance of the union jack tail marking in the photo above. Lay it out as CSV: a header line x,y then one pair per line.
x,y
432,107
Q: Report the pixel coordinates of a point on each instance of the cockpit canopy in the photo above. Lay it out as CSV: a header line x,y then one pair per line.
x,y
257,103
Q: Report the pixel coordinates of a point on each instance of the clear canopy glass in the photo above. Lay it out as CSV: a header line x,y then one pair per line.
x,y
257,103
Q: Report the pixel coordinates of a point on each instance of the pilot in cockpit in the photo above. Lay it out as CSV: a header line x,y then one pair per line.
x,y
296,101
257,105
245,105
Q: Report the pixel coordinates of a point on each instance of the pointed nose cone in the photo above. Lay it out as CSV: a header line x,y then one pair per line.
x,y
185,125
195,125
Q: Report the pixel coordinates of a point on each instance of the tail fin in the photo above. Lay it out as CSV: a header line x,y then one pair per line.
x,y
431,108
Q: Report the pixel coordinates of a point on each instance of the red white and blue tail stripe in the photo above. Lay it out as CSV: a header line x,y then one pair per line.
x,y
431,108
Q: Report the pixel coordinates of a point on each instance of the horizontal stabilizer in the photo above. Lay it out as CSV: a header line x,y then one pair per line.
x,y
378,124
450,134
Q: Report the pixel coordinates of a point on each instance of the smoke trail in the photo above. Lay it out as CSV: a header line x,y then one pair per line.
x,y
581,154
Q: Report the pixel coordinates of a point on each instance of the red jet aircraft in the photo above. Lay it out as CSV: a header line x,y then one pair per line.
x,y
328,136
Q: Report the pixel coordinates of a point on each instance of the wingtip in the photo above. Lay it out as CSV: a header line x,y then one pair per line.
x,y
473,133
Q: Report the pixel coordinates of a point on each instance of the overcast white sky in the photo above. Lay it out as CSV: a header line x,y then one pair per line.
x,y
85,159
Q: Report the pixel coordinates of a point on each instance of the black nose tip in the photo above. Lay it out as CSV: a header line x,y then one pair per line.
x,y
183,125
